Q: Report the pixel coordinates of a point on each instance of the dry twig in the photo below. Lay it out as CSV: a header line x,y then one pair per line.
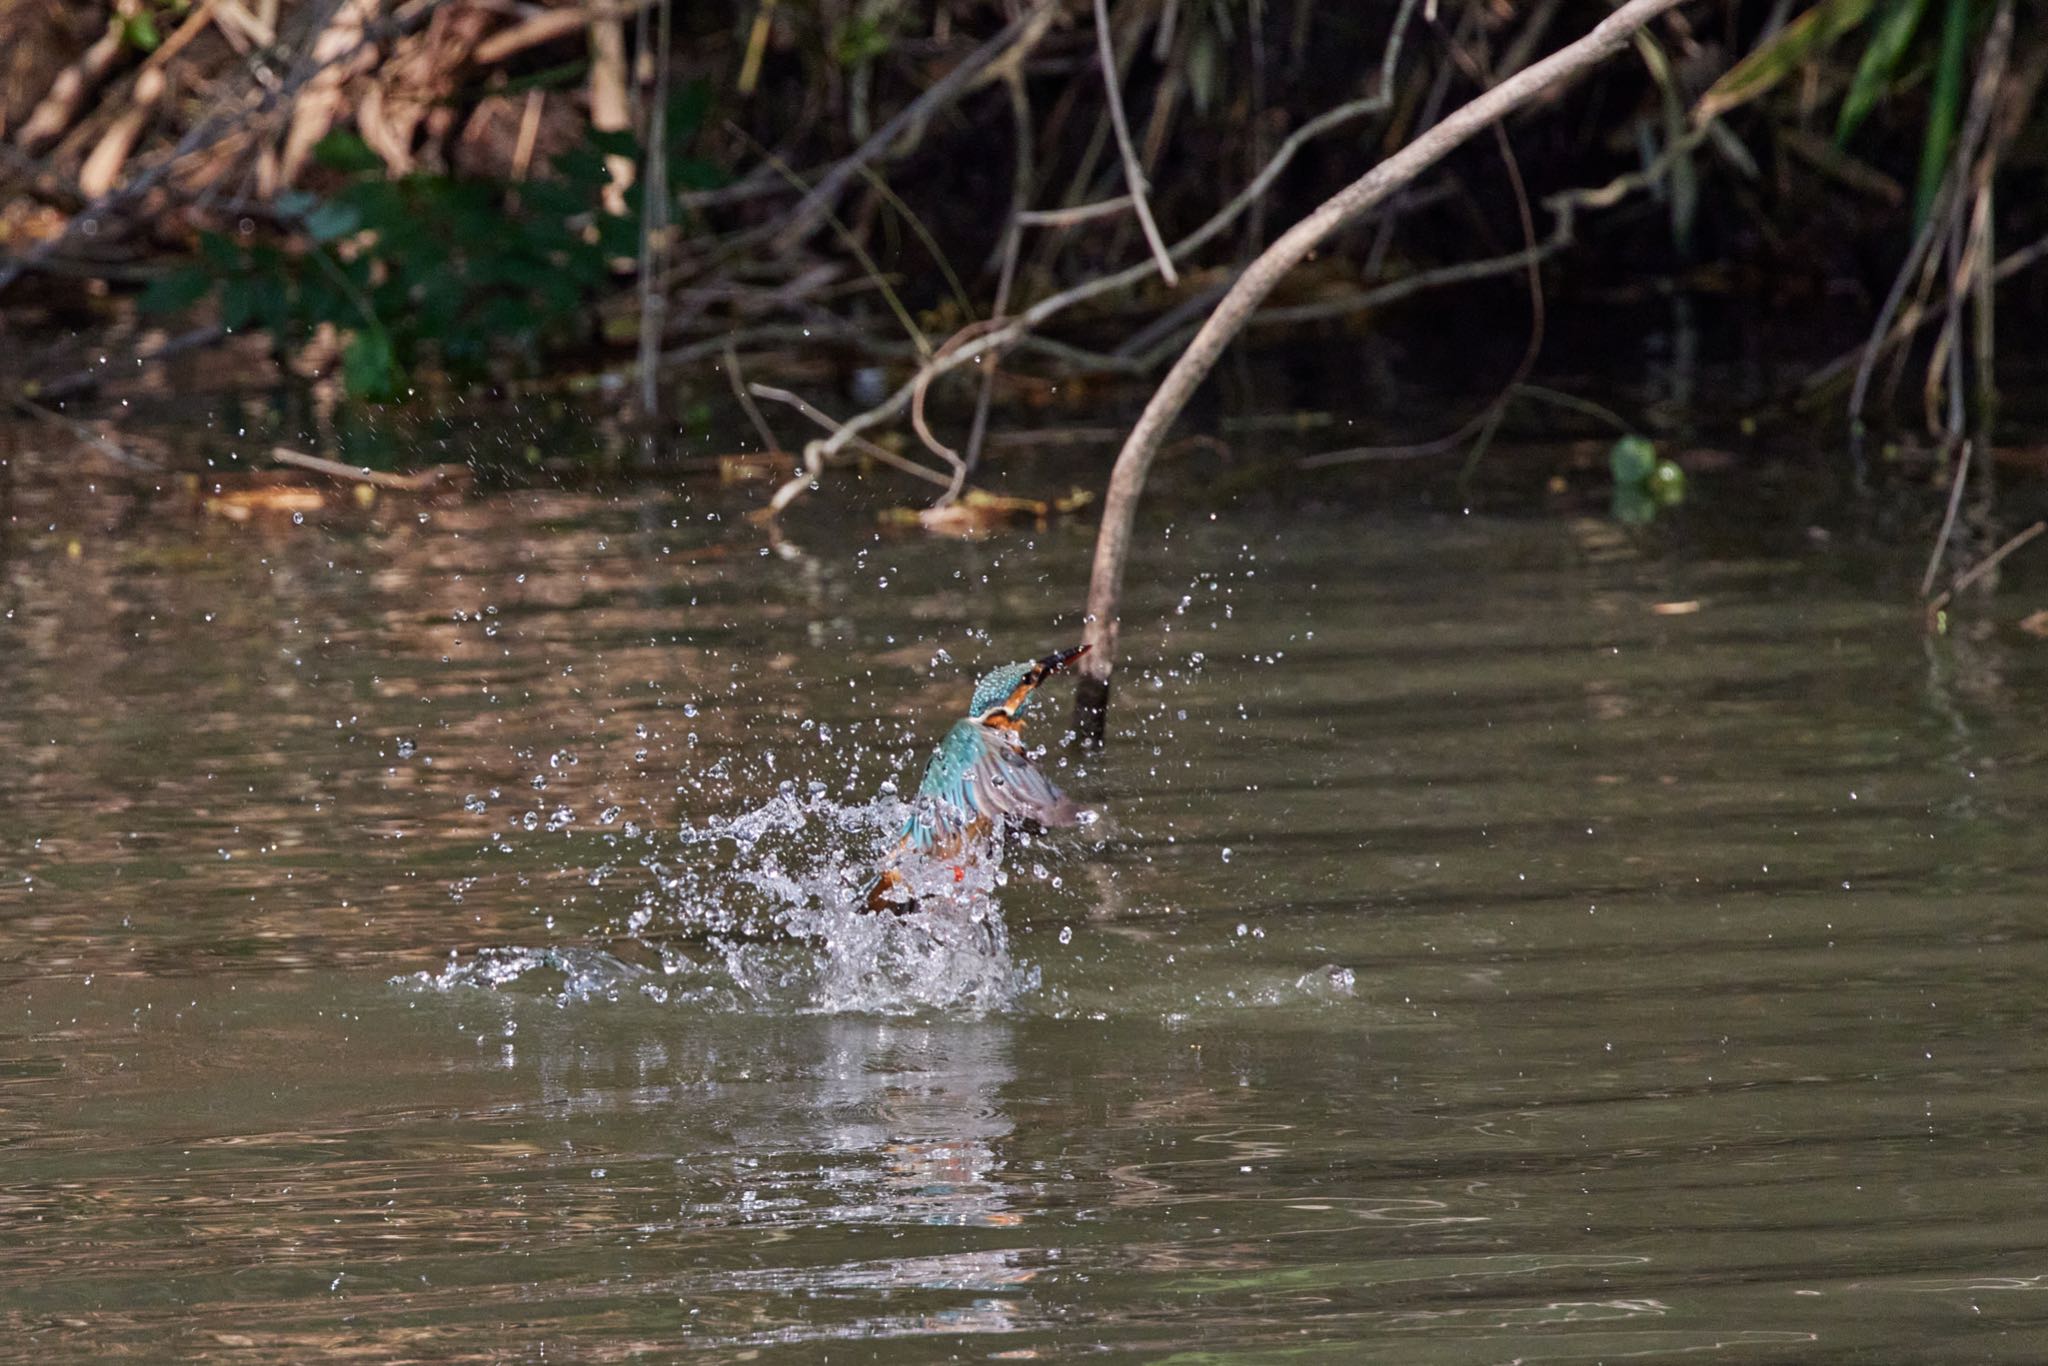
x,y
1134,174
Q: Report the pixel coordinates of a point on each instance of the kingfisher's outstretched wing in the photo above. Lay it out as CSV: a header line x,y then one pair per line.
x,y
979,776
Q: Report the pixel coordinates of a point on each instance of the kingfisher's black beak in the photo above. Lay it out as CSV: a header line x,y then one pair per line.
x,y
1052,664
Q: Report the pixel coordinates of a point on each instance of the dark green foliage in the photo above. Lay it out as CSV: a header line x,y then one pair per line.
x,y
1945,106
430,269
1880,64
1884,67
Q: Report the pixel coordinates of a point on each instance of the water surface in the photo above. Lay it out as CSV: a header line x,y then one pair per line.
x,y
1508,941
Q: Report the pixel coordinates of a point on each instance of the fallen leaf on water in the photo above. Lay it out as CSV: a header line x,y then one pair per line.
x,y
239,505
1676,609
978,513
2035,623
753,466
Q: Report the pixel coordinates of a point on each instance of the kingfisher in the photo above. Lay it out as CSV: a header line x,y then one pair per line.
x,y
980,779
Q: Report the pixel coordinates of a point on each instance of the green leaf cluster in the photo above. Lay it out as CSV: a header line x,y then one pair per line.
x,y
433,270
1644,482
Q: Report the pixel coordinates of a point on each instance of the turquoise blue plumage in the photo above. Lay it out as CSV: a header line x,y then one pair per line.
x,y
979,775
981,779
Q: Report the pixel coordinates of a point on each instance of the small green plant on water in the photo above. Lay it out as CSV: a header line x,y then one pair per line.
x,y
1644,482
434,269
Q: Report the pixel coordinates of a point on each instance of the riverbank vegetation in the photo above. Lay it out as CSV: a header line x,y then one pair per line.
x,y
936,208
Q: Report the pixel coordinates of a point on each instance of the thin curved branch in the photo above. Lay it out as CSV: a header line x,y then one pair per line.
x,y
814,464
1120,124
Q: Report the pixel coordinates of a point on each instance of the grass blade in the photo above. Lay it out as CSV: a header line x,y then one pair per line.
x,y
1785,52
1945,106
1880,60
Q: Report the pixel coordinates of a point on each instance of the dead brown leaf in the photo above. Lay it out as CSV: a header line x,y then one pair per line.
x,y
978,513
240,505
749,467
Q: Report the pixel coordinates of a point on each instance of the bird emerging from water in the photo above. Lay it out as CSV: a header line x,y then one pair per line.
x,y
981,779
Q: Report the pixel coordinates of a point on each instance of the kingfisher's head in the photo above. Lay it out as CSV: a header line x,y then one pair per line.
x,y
1000,696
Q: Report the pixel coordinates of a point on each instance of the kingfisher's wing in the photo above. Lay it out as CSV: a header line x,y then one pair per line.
x,y
981,775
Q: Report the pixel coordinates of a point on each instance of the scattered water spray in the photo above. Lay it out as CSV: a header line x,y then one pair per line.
x,y
765,910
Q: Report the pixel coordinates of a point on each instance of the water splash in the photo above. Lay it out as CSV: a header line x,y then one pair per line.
x,y
764,910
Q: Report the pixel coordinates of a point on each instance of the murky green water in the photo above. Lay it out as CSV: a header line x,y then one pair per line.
x,y
1483,965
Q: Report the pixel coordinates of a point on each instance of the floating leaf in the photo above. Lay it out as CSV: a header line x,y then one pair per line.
x,y
1632,459
1666,484
978,513
1632,506
240,505
754,466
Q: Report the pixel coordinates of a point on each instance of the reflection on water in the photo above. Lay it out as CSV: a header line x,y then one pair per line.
x,y
421,938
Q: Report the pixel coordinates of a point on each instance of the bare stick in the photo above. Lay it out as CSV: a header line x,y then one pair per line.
x,y
831,424
1134,174
978,429
992,342
924,431
1989,563
1960,477
547,26
654,234
747,404
940,449
1080,213
361,474
105,445
1127,482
